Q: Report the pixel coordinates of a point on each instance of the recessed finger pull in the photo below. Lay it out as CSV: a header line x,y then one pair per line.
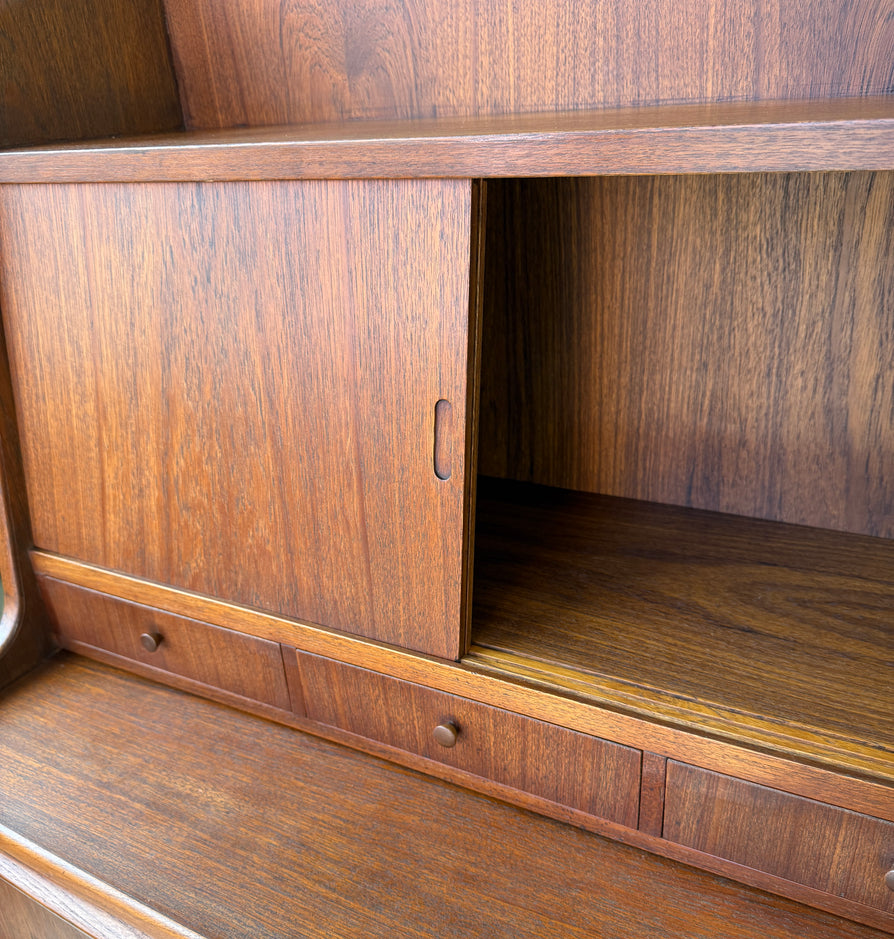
x,y
151,641
446,734
889,880
443,438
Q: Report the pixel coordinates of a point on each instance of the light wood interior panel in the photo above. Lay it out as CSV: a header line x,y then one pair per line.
x,y
719,342
294,61
231,389
73,69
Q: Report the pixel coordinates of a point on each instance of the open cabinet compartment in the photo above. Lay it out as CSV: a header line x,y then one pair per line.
x,y
686,447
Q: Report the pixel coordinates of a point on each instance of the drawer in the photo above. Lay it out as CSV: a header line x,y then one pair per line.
x,y
233,662
821,846
565,767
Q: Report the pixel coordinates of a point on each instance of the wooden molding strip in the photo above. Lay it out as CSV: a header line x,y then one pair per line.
x,y
500,690
78,898
836,134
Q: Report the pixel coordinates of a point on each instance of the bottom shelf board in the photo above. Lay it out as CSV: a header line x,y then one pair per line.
x,y
778,635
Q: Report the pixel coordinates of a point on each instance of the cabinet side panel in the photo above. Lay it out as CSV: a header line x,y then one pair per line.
x,y
719,342
296,61
231,389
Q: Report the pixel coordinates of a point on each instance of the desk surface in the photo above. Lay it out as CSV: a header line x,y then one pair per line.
x,y
229,825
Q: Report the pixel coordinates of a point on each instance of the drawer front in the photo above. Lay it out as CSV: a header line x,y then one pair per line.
x,y
221,658
569,768
807,842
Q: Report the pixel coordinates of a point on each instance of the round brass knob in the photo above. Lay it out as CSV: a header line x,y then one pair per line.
x,y
150,641
889,880
445,734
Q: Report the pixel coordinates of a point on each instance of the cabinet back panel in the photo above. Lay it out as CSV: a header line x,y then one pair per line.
x,y
296,61
720,342
231,388
73,69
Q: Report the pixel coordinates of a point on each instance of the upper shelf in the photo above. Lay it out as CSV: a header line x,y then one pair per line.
x,y
835,134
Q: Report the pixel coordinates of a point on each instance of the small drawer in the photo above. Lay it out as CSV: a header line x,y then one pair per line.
x,y
821,846
220,658
563,766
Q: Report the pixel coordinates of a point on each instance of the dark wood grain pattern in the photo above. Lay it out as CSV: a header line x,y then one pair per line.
x,y
24,630
718,342
23,918
567,697
784,630
221,658
591,775
278,62
237,827
830,849
73,69
844,134
231,389
651,802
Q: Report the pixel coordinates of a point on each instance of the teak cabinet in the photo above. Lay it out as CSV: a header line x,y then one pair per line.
x,y
550,454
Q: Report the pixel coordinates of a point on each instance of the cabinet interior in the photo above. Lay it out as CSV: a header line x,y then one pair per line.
x,y
686,432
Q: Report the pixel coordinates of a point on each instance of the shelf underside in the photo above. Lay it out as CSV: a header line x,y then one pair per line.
x,y
775,635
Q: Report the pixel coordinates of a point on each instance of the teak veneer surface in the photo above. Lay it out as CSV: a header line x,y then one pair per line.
x,y
722,342
24,918
236,827
779,629
72,69
294,61
837,134
231,388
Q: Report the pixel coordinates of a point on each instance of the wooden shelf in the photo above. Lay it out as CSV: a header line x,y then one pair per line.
x,y
833,134
776,635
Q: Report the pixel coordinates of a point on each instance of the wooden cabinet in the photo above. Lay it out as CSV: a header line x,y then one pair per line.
x,y
570,432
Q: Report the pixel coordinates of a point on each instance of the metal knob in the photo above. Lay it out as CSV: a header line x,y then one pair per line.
x,y
889,880
445,734
150,641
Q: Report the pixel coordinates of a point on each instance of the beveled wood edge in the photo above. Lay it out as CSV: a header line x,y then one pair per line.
x,y
779,886
761,730
80,899
473,389
24,631
870,796
842,134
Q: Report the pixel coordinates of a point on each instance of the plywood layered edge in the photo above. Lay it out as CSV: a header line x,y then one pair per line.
x,y
838,134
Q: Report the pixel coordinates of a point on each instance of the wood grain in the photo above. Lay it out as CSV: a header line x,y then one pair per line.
x,y
585,773
565,697
772,625
718,342
243,665
830,849
74,69
651,802
277,62
837,134
234,826
231,389
23,918
24,629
